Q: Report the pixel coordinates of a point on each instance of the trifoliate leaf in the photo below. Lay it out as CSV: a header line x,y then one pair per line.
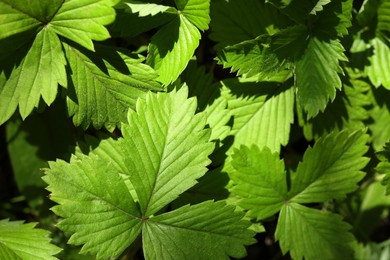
x,y
235,21
262,112
379,64
23,241
106,84
145,9
174,44
317,74
210,230
260,181
83,21
313,234
330,169
95,204
37,75
166,148
383,166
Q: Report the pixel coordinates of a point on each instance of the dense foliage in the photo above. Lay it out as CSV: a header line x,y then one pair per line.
x,y
195,129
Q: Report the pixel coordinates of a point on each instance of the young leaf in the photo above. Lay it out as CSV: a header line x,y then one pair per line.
x,y
106,84
316,74
262,113
330,169
210,230
312,234
165,142
174,44
83,21
22,241
260,181
95,203
38,75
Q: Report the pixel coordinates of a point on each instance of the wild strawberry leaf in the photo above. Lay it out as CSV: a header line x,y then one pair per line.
x,y
379,62
313,234
23,241
260,181
383,166
105,84
172,148
262,112
210,230
37,75
331,169
174,44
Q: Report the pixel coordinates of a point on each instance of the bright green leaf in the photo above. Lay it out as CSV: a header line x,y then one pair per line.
x,y
197,12
331,169
145,9
83,20
210,230
106,84
95,203
174,44
23,241
38,75
166,147
260,181
379,64
14,20
383,166
263,113
384,17
317,74
313,234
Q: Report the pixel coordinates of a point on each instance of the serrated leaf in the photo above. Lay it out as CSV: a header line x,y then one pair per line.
x,y
37,75
331,169
14,21
383,166
235,21
379,64
83,20
23,241
312,234
380,114
167,148
383,17
216,232
347,111
106,84
260,181
95,204
197,12
317,74
263,113
145,9
174,44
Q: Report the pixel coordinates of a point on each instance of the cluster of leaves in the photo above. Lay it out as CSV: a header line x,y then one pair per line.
x,y
184,161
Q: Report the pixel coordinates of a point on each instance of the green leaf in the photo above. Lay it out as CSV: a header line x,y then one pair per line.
x,y
14,21
383,17
313,234
95,203
379,62
331,169
174,44
316,74
262,113
380,114
210,230
22,241
383,166
83,21
260,181
37,75
145,9
347,111
167,143
106,84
